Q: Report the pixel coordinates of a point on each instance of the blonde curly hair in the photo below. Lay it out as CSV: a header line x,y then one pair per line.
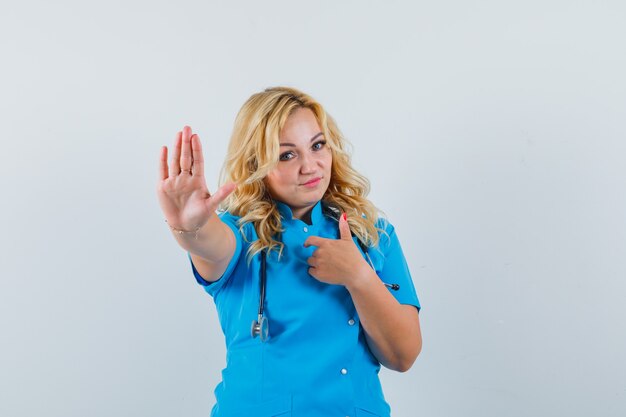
x,y
254,151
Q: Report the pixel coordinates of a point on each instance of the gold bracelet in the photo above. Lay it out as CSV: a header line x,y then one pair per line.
x,y
180,231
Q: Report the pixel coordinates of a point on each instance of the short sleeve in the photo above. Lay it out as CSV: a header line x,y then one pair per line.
x,y
395,269
213,287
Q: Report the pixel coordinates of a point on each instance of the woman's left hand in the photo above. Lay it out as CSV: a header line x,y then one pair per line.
x,y
337,261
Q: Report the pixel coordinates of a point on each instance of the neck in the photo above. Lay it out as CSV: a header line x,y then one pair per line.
x,y
303,214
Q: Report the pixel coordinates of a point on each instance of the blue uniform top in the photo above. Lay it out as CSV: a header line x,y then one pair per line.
x,y
316,361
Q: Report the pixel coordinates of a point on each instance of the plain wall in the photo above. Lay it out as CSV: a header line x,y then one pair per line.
x,y
493,134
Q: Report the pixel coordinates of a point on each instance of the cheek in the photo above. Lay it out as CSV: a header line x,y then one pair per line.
x,y
279,177
327,161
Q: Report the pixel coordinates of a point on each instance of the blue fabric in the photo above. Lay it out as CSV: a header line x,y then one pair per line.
x,y
316,361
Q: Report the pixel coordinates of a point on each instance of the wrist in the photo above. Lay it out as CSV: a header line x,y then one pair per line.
x,y
361,279
180,231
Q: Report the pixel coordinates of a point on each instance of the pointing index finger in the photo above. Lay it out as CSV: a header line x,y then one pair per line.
x,y
314,241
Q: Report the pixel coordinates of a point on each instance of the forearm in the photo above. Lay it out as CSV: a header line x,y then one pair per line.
x,y
392,329
211,243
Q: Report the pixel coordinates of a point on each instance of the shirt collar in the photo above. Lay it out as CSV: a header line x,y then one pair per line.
x,y
287,214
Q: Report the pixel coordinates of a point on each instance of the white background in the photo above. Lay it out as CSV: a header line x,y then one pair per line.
x,y
493,134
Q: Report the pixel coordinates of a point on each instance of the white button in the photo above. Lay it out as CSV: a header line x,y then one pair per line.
x,y
344,371
351,322
306,229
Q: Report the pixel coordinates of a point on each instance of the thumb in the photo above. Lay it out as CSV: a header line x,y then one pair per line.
x,y
344,228
214,201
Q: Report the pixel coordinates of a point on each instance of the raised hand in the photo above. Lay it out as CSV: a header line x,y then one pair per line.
x,y
181,189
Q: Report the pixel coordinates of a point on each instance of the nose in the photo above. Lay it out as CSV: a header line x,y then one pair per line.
x,y
308,164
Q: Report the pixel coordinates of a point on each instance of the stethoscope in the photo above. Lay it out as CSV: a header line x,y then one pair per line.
x,y
260,326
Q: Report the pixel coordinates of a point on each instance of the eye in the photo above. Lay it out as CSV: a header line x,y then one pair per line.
x,y
284,157
290,155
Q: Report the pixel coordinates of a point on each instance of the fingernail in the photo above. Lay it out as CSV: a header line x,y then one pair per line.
x,y
345,218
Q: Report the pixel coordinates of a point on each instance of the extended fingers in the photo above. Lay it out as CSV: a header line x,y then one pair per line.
x,y
163,163
185,159
196,153
174,168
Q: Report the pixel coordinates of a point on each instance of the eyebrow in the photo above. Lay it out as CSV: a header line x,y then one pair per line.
x,y
312,139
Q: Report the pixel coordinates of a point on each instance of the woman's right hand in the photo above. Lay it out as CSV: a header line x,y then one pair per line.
x,y
182,191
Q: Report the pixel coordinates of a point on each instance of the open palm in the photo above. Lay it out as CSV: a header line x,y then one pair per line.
x,y
181,189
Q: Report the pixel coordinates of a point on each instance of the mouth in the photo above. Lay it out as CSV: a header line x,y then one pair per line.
x,y
313,182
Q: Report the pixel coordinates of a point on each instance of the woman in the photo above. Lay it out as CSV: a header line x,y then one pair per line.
x,y
312,289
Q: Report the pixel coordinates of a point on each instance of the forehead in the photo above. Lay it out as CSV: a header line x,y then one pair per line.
x,y
300,127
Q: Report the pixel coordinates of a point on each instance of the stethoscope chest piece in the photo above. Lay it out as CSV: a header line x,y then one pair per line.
x,y
260,328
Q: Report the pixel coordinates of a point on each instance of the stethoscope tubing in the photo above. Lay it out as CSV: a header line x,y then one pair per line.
x,y
260,327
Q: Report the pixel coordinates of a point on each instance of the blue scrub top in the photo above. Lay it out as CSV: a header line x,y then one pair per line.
x,y
316,361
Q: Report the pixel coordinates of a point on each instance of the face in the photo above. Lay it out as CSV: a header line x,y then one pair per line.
x,y
303,172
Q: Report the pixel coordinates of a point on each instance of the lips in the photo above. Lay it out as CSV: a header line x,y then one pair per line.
x,y
313,180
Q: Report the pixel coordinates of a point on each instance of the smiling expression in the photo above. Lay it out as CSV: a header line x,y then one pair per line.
x,y
302,174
